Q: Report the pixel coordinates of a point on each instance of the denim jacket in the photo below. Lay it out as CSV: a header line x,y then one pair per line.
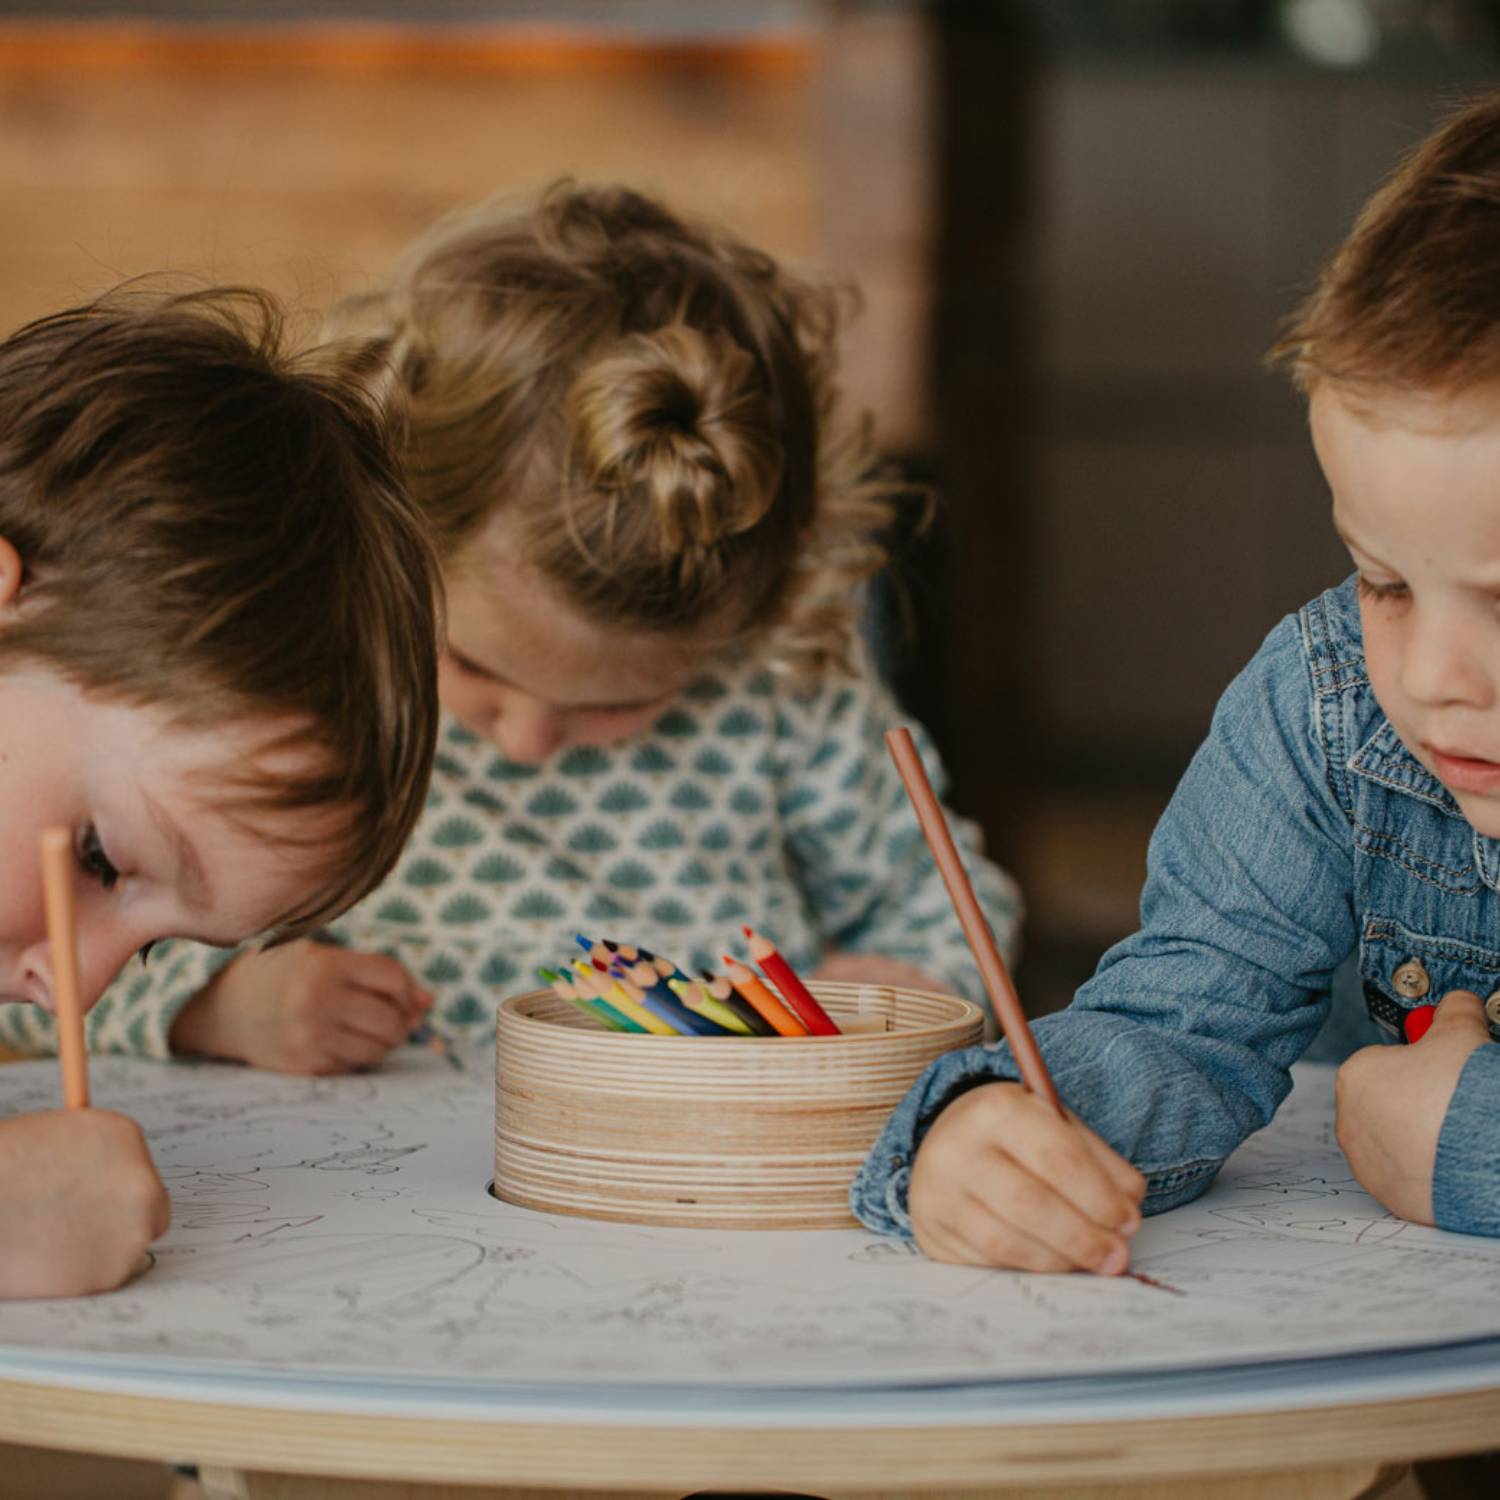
x,y
1303,833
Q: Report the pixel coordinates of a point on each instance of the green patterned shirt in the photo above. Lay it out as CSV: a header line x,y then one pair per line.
x,y
747,802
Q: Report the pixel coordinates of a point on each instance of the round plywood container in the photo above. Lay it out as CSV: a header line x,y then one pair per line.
x,y
717,1132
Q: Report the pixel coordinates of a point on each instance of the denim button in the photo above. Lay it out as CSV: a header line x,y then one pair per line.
x,y
1492,1008
1411,980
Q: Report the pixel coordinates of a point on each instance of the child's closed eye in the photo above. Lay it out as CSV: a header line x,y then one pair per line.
x,y
92,859
1381,593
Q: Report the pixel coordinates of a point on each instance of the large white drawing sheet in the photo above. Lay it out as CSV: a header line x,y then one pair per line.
x,y
343,1227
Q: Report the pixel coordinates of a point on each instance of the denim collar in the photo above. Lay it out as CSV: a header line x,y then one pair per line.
x,y
1384,759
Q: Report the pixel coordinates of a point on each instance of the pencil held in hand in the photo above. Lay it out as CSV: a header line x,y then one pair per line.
x,y
992,968
62,940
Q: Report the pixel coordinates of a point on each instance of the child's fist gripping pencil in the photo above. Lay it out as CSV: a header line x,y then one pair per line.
x,y
82,1202
1003,1179
305,1008
1006,1176
1392,1102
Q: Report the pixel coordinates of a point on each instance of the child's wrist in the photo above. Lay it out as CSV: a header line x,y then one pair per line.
x,y
198,1029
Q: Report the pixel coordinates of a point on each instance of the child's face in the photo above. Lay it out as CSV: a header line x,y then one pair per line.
x,y
154,857
1416,498
530,674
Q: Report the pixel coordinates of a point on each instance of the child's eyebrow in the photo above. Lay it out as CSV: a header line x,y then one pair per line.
x,y
191,878
617,708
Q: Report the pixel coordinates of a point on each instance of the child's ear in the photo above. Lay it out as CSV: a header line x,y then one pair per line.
x,y
10,573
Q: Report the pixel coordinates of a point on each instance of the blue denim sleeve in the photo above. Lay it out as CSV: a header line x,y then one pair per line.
x,y
1466,1174
1180,1045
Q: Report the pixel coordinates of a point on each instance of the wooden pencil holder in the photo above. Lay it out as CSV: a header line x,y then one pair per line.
x,y
712,1132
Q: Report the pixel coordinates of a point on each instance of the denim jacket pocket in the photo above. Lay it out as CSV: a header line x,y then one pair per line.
x,y
1402,970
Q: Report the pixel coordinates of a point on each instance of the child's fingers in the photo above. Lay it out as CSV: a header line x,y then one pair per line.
x,y
381,975
381,1020
1055,1151
1026,1207
354,1049
1127,1178
973,1236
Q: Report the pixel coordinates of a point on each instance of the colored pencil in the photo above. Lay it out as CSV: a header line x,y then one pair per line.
x,y
599,954
793,991
716,987
756,993
670,1009
434,1041
596,1010
612,992
648,977
666,968
701,1003
981,940
62,940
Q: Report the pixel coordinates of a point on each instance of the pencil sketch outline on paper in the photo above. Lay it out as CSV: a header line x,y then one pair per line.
x,y
342,1226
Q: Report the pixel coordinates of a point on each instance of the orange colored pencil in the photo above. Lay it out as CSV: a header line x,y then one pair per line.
x,y
793,991
755,993
62,940
992,968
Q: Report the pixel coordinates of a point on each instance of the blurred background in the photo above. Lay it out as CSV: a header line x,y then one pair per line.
x,y
1076,224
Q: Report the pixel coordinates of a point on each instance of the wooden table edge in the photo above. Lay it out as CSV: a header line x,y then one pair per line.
x,y
584,1455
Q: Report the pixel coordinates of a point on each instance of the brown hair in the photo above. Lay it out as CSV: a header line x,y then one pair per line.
x,y
650,404
211,531
1411,299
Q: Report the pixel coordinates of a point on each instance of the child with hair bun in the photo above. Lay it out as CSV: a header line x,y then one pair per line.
x,y
653,521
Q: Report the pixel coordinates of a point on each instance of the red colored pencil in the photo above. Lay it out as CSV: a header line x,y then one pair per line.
x,y
755,992
793,991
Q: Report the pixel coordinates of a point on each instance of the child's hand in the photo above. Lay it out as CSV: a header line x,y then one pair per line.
x,y
1392,1101
871,968
1002,1180
81,1202
304,1008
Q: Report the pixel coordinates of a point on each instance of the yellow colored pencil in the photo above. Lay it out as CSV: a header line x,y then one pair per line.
x,y
699,1001
614,994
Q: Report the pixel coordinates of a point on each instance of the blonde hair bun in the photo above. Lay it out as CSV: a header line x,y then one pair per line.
x,y
677,422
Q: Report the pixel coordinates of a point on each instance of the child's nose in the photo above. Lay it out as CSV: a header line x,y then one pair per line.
x,y
98,963
527,731
1439,666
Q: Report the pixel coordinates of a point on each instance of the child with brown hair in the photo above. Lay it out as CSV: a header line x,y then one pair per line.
x,y
217,653
1346,803
653,522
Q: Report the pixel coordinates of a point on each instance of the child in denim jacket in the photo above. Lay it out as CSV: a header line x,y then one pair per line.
x,y
1346,801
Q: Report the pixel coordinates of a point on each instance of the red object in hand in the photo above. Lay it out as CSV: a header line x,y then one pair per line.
x,y
796,994
1415,1025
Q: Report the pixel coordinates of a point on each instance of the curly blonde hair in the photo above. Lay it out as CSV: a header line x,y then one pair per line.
x,y
650,404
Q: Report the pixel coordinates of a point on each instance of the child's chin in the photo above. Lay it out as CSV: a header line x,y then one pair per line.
x,y
1483,813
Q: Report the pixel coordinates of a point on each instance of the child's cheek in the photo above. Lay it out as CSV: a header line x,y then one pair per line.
x,y
599,730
